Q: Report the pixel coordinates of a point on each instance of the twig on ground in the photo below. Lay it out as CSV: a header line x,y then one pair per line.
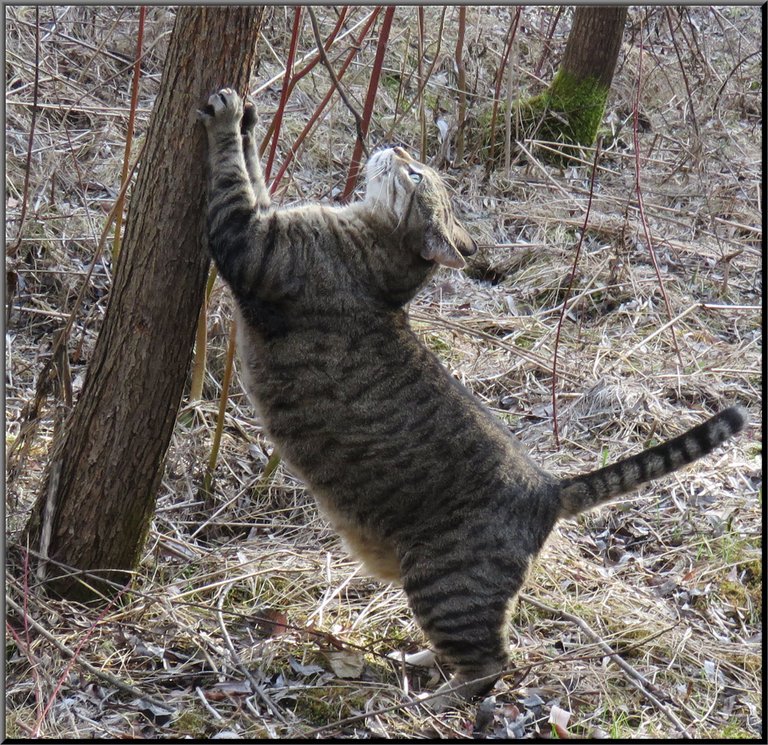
x,y
255,687
108,677
648,689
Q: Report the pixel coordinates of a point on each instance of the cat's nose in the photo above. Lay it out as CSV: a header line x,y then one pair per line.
x,y
402,154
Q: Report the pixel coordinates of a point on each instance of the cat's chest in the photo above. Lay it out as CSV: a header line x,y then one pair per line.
x,y
322,357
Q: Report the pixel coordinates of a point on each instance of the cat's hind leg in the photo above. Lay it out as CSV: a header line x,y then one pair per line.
x,y
463,612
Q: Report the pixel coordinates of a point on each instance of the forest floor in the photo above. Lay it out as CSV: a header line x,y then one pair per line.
x,y
246,618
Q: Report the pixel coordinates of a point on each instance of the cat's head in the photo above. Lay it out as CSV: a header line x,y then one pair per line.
x,y
416,196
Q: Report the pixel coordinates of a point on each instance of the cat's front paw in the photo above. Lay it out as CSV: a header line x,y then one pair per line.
x,y
224,109
248,122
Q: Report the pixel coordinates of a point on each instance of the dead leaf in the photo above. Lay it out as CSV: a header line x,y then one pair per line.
x,y
158,715
304,669
223,691
271,622
346,663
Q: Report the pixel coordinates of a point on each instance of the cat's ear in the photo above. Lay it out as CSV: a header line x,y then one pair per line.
x,y
463,240
447,250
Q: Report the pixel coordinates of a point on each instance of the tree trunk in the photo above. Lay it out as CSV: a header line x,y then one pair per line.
x,y
104,473
569,112
593,44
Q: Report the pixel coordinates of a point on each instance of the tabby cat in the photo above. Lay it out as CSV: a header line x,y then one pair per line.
x,y
423,484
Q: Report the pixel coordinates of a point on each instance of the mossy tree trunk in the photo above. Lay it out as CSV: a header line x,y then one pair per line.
x,y
571,109
105,471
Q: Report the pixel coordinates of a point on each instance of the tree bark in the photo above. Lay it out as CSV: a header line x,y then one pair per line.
x,y
594,43
98,501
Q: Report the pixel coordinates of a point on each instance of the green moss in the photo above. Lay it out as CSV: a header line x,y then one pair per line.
x,y
438,345
192,723
568,112
18,721
329,703
733,730
391,82
430,101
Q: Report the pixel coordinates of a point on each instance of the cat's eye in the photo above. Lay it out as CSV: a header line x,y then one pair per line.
x,y
415,177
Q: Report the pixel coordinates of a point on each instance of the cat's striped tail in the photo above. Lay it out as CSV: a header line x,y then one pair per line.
x,y
584,492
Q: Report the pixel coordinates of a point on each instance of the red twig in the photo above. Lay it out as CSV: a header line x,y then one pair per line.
x,y
35,674
73,659
319,110
568,292
285,90
354,166
297,76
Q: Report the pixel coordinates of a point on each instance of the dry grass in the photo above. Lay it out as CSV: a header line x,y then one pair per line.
x,y
245,616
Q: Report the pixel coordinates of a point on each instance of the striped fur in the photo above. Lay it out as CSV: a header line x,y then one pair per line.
x,y
590,490
423,484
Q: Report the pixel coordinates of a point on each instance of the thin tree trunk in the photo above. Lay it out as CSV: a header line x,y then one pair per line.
x,y
570,110
594,43
104,473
